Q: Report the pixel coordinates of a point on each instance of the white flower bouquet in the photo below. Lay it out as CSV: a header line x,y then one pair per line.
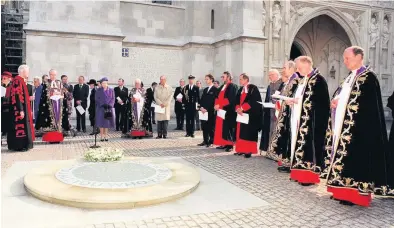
x,y
103,155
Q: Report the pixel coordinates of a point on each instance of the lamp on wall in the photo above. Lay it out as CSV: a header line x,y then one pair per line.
x,y
332,72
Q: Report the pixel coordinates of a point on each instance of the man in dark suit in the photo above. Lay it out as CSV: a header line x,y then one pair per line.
x,y
121,94
207,103
191,98
179,107
150,92
80,94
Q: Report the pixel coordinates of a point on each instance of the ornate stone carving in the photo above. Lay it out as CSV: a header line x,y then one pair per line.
x,y
373,31
385,31
276,19
354,16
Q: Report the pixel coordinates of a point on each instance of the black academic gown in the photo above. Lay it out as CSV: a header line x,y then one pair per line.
x,y
309,148
362,161
390,104
228,126
280,147
5,110
21,133
246,133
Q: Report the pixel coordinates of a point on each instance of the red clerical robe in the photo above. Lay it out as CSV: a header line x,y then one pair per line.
x,y
247,134
224,129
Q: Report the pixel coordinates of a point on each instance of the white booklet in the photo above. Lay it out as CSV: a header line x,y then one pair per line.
x,y
280,97
203,116
267,105
159,109
244,118
179,96
153,104
3,91
221,113
119,100
80,109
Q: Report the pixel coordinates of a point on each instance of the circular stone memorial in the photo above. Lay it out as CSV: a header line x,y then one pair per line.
x,y
130,183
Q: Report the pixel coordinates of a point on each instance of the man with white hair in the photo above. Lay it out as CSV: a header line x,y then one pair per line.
x,y
37,96
51,110
269,118
279,147
21,133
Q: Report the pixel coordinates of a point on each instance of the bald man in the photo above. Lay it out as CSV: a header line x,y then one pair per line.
x,y
310,110
358,160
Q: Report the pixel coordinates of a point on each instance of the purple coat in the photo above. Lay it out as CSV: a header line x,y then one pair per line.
x,y
106,97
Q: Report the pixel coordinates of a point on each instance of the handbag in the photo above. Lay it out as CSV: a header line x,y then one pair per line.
x,y
107,112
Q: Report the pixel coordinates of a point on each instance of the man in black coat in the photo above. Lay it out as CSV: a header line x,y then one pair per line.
x,y
121,95
390,104
191,98
179,106
5,102
207,103
92,105
150,92
80,94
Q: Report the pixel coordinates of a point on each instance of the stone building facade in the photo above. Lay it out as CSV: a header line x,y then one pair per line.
x,y
131,39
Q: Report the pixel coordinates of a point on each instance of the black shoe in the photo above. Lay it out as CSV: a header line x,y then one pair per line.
x,y
192,136
102,140
78,130
221,147
177,128
237,153
164,136
347,203
229,149
248,155
284,169
106,140
153,122
187,135
159,137
84,131
201,144
92,133
208,146
306,184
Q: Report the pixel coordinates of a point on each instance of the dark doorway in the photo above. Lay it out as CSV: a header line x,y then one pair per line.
x,y
295,52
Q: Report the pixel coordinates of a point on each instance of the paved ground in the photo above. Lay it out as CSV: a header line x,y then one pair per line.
x,y
291,205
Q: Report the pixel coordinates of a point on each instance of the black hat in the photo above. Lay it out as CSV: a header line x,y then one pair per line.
x,y
191,77
92,81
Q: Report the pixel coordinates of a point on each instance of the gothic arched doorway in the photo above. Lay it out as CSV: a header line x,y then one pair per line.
x,y
324,39
295,51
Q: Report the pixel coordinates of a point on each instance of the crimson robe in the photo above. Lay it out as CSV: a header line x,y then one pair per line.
x,y
21,133
247,134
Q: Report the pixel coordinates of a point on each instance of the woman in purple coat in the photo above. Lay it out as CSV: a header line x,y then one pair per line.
x,y
105,99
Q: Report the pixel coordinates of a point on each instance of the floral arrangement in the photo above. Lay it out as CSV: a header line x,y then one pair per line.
x,y
103,155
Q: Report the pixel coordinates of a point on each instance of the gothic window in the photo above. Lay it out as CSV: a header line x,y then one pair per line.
x,y
163,2
212,19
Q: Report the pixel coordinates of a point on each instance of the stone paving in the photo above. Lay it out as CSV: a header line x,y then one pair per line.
x,y
291,205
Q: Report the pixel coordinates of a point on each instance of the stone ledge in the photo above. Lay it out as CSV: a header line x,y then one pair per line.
x,y
153,4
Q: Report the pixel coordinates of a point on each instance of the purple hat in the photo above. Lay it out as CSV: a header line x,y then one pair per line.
x,y
104,79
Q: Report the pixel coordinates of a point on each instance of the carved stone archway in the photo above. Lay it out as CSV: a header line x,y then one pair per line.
x,y
335,14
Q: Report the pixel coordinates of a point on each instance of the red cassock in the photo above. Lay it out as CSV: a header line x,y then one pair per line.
x,y
218,138
242,145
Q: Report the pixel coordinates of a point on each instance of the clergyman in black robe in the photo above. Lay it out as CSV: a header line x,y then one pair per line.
x,y
92,105
390,104
269,118
358,162
311,106
279,148
21,133
5,102
247,134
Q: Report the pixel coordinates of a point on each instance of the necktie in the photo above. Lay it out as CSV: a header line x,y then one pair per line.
x,y
80,86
